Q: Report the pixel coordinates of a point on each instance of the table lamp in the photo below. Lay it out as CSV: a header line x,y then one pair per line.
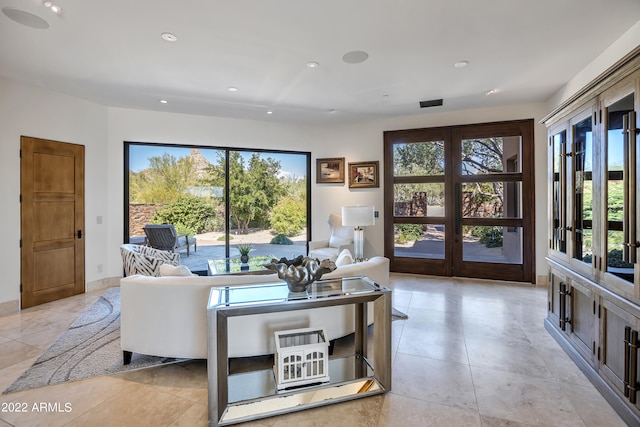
x,y
358,217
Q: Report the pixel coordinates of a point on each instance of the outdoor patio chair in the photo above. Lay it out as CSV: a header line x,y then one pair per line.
x,y
164,237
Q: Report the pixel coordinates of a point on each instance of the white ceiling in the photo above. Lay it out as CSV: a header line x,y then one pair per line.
x,y
111,52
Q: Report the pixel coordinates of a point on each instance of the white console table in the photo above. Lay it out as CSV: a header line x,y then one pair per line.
x,y
251,395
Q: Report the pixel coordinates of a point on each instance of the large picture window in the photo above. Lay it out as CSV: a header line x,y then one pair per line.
x,y
225,198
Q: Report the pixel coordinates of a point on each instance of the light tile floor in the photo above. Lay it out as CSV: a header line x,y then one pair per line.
x,y
471,353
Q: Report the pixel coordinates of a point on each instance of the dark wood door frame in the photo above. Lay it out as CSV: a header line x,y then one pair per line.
x,y
453,263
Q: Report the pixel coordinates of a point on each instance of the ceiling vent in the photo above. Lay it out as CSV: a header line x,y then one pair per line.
x,y
432,103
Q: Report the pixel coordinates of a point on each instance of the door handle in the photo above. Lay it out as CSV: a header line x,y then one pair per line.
x,y
458,205
79,234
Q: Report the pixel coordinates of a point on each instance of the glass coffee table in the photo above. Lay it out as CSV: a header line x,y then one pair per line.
x,y
224,266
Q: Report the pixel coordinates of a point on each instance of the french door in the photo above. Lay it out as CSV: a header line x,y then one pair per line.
x,y
460,200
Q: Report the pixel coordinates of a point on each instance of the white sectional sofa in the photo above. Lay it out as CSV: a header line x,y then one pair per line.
x,y
167,316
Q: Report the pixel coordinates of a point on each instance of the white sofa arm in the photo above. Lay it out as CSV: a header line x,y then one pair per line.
x,y
315,244
376,269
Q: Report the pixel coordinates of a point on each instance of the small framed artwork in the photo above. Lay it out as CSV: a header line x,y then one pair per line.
x,y
364,175
330,170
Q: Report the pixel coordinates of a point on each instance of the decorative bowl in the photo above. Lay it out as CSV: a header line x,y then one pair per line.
x,y
300,272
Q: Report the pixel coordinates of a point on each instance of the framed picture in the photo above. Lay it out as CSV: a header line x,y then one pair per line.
x,y
363,175
330,170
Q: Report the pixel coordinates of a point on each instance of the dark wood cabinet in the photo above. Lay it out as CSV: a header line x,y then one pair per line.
x,y
594,233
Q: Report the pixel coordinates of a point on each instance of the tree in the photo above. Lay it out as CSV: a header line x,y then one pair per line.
x,y
254,189
189,214
164,181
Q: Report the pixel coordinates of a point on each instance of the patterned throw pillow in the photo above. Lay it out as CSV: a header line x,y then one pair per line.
x,y
168,257
139,263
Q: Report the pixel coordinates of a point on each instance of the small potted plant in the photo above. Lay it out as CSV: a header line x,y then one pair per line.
x,y
244,250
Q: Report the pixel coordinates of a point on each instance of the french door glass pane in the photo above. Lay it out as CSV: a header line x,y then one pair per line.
x,y
491,199
492,244
419,240
583,191
419,159
491,155
559,202
419,200
618,190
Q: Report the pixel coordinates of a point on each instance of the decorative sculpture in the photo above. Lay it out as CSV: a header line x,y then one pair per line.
x,y
300,272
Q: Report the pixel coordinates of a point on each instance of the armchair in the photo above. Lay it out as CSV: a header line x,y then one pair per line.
x,y
165,238
340,238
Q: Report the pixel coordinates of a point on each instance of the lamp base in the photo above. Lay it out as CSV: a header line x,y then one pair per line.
x,y
358,244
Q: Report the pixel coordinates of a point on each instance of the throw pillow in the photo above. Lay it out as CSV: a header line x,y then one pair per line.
x,y
168,257
336,242
137,263
174,270
344,258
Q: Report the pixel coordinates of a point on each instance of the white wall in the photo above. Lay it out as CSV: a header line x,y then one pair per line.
x,y
625,44
356,142
30,111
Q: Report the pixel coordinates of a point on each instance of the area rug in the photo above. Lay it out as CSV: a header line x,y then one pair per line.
x,y
90,348
397,314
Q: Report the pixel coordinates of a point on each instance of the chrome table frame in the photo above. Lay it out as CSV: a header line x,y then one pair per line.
x,y
366,375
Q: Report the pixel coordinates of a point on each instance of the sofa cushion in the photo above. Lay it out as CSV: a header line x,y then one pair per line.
x,y
174,270
345,258
324,253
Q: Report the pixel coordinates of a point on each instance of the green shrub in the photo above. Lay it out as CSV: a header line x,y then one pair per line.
x,y
408,232
188,214
289,216
491,236
281,239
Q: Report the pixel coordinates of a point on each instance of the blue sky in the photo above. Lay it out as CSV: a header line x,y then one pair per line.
x,y
290,164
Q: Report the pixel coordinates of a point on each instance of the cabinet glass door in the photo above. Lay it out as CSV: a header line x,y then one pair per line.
x,y
559,237
583,191
621,239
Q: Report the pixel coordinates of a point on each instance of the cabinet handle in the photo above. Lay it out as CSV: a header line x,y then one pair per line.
x,y
633,369
564,292
627,355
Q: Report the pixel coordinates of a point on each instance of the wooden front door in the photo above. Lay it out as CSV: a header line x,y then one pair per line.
x,y
460,200
52,220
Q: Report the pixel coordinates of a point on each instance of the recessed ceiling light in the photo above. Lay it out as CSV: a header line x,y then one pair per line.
x,y
269,112
232,89
168,37
53,7
461,64
490,92
163,101
313,64
25,18
355,57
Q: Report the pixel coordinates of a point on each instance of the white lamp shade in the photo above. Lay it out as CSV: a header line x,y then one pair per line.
x,y
355,216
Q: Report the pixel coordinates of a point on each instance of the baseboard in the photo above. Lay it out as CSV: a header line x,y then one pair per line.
x,y
9,307
542,281
108,282
615,400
